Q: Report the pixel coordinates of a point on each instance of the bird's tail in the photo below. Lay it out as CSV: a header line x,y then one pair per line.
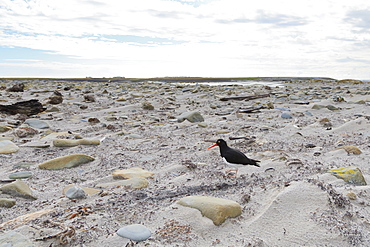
x,y
254,162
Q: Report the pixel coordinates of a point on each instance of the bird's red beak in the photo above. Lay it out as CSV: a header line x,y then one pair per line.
x,y
214,145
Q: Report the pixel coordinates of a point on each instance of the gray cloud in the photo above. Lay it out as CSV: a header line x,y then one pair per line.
x,y
277,20
359,18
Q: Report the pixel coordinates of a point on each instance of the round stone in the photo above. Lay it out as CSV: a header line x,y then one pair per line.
x,y
135,232
75,192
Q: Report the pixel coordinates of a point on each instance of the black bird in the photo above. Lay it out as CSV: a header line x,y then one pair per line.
x,y
232,156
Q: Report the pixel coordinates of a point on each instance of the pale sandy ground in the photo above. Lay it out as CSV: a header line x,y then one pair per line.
x,y
289,201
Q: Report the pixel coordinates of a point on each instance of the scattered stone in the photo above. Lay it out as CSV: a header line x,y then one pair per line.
x,y
134,172
134,183
147,106
18,87
351,149
192,117
325,122
89,98
66,161
25,131
72,143
135,232
14,239
52,109
88,191
93,120
7,203
350,174
203,124
38,124
56,98
286,115
7,147
4,129
332,108
75,192
216,209
18,188
352,195
20,175
318,107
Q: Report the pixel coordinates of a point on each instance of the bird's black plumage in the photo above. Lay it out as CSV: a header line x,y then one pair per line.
x,y
232,155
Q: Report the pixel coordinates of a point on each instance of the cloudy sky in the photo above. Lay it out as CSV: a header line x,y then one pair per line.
x,y
211,38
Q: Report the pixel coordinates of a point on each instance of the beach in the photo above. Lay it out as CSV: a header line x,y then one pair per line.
x,y
299,130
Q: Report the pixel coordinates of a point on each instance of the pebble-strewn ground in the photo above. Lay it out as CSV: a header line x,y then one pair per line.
x,y
299,133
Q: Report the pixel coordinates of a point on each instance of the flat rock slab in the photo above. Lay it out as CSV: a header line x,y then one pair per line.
x,y
216,209
67,161
14,239
350,174
135,183
7,203
135,232
38,124
18,188
134,172
8,147
20,175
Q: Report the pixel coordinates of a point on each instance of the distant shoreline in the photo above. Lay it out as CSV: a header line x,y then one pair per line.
x,y
182,79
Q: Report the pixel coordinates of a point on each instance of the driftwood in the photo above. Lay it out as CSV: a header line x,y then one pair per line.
x,y
250,97
29,107
252,109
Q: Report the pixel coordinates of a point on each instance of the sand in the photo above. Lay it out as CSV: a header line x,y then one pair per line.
x,y
290,200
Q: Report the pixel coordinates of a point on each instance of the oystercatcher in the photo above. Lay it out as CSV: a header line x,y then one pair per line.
x,y
232,156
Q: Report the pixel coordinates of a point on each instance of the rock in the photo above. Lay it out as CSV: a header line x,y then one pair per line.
x,y
7,147
66,161
93,120
216,209
25,131
75,192
72,143
89,98
18,87
88,191
318,107
351,149
135,183
35,123
18,188
134,172
135,232
147,106
29,107
14,239
52,109
56,98
192,117
4,129
20,175
286,115
332,108
351,195
6,203
350,174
